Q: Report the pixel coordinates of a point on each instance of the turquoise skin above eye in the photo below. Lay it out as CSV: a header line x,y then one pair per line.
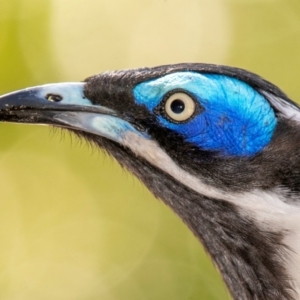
x,y
235,121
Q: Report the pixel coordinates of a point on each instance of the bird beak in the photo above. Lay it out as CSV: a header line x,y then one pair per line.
x,y
63,105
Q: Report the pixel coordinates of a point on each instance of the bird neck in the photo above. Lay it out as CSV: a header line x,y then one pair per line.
x,y
252,258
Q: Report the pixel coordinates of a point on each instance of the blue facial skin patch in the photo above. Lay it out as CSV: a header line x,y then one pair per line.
x,y
235,119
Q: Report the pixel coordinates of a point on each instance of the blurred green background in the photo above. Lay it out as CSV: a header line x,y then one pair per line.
x,y
73,224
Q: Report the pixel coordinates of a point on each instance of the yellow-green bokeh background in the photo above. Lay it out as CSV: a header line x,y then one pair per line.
x,y
73,225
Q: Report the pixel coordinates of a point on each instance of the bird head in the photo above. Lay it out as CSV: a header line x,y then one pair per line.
x,y
219,145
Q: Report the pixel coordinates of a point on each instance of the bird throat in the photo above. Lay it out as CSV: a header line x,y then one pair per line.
x,y
251,257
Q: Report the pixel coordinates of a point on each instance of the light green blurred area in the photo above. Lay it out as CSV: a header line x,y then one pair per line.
x,y
73,224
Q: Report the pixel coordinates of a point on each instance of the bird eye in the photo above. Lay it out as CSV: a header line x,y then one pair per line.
x,y
179,106
54,97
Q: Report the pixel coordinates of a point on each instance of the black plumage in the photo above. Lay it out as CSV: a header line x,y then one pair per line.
x,y
250,256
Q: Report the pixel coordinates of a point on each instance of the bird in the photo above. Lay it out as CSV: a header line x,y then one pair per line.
x,y
217,144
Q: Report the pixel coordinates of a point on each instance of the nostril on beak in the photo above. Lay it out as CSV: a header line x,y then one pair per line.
x,y
54,97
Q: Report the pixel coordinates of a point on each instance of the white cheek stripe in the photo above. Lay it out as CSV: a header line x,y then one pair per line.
x,y
286,110
267,209
149,150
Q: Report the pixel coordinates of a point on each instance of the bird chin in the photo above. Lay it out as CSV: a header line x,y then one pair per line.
x,y
107,126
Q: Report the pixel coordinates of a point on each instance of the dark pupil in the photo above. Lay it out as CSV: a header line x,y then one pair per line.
x,y
177,106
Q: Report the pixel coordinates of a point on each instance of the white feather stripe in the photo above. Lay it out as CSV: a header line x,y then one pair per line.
x,y
286,109
268,209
